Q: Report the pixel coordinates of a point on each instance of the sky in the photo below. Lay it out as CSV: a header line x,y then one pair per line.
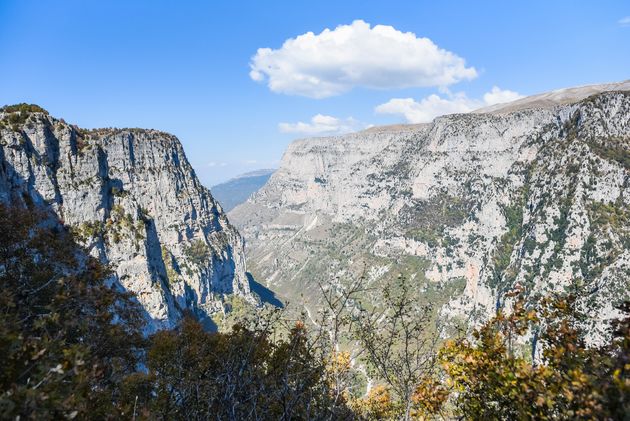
x,y
237,81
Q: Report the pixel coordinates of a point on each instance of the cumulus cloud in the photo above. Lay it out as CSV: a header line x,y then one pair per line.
x,y
321,124
624,21
356,55
428,108
500,96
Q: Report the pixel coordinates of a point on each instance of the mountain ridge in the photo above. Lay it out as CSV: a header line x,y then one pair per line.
x,y
133,200
470,206
556,97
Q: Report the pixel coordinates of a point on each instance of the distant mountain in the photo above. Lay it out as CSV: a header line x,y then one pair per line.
x,y
237,190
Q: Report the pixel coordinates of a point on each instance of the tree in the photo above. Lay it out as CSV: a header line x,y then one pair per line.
x,y
237,375
67,340
71,347
376,405
572,381
398,346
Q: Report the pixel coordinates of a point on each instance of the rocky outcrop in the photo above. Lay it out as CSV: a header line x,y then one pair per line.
x,y
469,206
134,202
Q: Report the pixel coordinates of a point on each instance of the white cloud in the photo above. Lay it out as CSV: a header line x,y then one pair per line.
x,y
500,96
335,61
321,124
624,21
213,164
428,108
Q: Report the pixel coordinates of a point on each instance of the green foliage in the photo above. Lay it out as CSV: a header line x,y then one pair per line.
x,y
572,381
429,219
398,351
16,115
23,108
612,214
606,219
71,348
237,312
172,275
503,252
67,341
612,148
116,192
243,374
559,234
198,252
121,225
118,226
88,230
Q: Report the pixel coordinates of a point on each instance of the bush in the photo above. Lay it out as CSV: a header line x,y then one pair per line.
x,y
72,348
67,341
198,252
244,374
23,108
18,114
492,380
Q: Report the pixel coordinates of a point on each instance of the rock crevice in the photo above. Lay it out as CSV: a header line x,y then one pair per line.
x,y
131,198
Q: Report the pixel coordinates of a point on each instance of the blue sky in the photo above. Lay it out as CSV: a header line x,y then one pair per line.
x,y
184,67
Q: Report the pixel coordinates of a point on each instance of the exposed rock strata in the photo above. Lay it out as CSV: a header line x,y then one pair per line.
x,y
135,203
469,206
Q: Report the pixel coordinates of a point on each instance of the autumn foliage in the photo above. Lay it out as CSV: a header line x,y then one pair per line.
x,y
71,347
490,379
67,341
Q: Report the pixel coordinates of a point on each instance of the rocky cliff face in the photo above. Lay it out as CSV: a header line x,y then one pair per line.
x,y
468,206
134,201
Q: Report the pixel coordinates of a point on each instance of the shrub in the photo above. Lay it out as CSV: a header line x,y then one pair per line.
x,y
67,340
492,380
23,108
198,252
16,115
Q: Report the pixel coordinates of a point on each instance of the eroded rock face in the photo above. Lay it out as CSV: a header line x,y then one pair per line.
x,y
470,206
135,202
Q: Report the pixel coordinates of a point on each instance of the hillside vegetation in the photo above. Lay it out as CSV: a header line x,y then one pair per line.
x,y
470,206
72,348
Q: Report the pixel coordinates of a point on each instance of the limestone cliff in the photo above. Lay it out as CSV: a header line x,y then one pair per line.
x,y
469,206
135,203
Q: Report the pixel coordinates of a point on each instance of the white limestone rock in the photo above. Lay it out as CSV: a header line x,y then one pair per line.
x,y
473,203
135,203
